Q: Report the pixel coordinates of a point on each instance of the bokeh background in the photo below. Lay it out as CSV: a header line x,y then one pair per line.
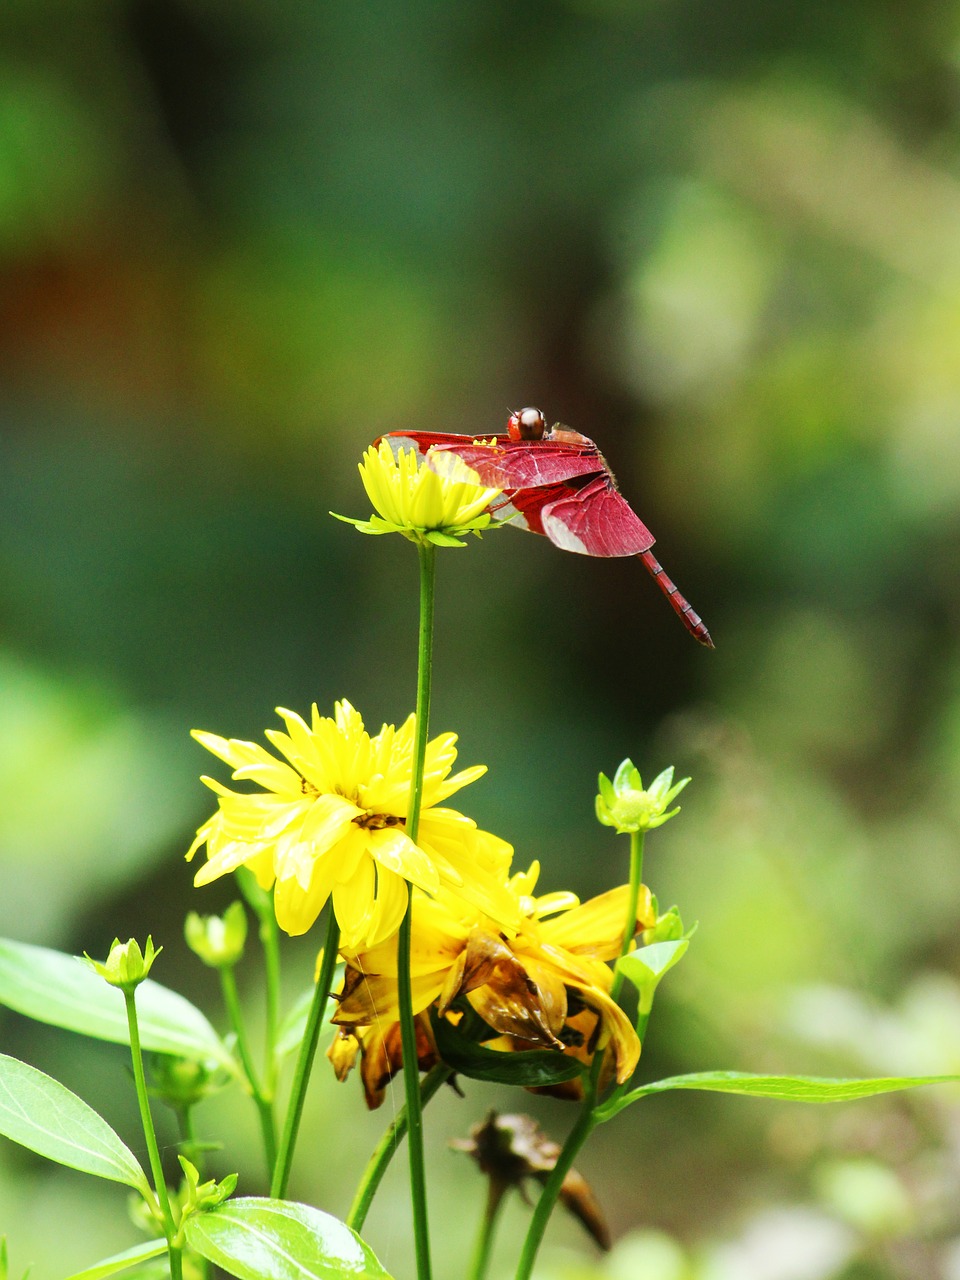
x,y
238,241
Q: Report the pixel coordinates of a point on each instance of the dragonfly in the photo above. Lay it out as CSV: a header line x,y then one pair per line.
x,y
555,482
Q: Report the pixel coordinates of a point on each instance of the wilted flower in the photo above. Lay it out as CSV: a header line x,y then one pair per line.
x,y
511,1148
413,499
547,987
331,820
624,804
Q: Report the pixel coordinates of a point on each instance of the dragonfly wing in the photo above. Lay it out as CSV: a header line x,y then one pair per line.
x,y
506,463
595,521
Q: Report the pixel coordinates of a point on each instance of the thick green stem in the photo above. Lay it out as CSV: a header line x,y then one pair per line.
x,y
150,1135
308,1049
380,1160
496,1194
408,1031
586,1122
231,1000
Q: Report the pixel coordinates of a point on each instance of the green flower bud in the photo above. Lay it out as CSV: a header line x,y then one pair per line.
x,y
668,928
126,966
182,1082
625,805
197,1195
218,941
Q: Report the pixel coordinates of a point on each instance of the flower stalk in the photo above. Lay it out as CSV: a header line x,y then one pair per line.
x,y
150,1136
496,1194
589,1118
379,1161
408,1034
263,1102
308,1049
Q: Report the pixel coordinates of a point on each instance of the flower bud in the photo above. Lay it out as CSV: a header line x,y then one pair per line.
x,y
126,966
625,805
217,940
668,928
183,1082
198,1195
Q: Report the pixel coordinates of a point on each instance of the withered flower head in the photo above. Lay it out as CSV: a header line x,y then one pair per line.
x,y
510,1149
547,987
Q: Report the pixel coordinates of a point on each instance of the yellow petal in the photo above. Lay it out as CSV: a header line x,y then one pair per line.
x,y
297,909
395,851
353,902
596,928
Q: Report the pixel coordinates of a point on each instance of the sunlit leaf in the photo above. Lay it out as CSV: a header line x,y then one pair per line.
x,y
121,1261
63,990
41,1114
256,1239
647,965
531,1069
786,1088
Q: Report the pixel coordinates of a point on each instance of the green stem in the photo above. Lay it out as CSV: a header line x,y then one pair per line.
x,y
428,574
150,1134
308,1049
496,1194
387,1146
408,1032
630,925
188,1138
270,941
588,1118
231,1000
586,1122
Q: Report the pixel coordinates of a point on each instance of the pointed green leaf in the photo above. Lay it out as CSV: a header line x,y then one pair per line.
x,y
256,1239
531,1069
120,1261
647,965
40,1113
65,992
786,1088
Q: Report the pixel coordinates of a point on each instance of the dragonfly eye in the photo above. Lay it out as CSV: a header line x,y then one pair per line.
x,y
527,424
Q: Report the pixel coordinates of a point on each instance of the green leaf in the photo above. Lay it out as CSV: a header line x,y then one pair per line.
x,y
786,1088
258,1239
63,990
531,1069
649,964
120,1261
40,1113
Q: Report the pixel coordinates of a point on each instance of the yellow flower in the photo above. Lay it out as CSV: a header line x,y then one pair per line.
x,y
413,499
547,987
330,820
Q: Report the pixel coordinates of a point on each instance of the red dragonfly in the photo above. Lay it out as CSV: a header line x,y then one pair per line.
x,y
557,482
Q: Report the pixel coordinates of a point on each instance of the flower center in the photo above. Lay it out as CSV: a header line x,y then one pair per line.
x,y
308,788
377,821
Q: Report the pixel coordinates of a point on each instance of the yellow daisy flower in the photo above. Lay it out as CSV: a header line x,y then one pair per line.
x,y
330,820
547,987
413,499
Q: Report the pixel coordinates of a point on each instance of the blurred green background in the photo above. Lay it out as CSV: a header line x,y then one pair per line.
x,y
237,242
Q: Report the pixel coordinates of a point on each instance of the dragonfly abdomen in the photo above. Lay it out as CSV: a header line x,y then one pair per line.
x,y
680,605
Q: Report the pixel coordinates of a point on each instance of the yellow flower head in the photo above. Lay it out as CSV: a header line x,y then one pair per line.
x,y
412,498
331,819
546,987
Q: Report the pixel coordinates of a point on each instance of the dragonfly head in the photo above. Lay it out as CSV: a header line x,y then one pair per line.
x,y
527,424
